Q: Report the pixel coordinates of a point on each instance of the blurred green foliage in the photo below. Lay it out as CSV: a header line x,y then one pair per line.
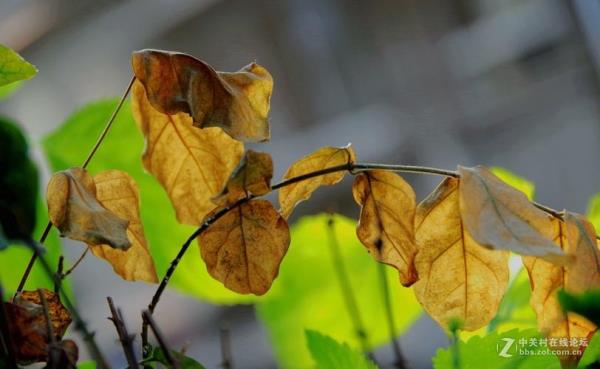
x,y
9,89
13,67
158,356
586,304
309,296
327,353
520,183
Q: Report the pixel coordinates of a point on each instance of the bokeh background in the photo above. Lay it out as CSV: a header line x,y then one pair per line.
x,y
512,83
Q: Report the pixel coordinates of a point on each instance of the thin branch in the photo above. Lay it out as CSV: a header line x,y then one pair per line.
x,y
161,339
84,165
347,294
124,337
77,262
59,273
225,338
80,325
399,363
358,167
53,353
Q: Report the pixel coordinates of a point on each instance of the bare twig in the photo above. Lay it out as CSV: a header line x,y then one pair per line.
x,y
161,339
399,363
124,337
59,273
77,262
84,165
225,338
53,349
346,289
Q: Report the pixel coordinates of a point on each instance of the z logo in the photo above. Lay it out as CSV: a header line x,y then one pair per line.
x,y
507,346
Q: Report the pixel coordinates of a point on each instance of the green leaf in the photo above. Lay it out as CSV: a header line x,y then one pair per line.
x,y
158,356
586,304
13,67
514,310
488,350
9,89
307,293
330,354
87,364
520,183
593,211
122,149
592,352
18,185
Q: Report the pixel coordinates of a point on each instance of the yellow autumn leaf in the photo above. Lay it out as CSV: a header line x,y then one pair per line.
x,y
323,158
237,102
458,278
498,216
119,193
191,164
75,211
244,248
252,176
576,237
386,225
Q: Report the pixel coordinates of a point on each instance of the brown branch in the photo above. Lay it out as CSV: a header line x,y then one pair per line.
x,y
77,262
84,165
147,316
59,273
53,349
124,337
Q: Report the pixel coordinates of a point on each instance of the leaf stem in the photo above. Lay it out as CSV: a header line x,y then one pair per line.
x,y
84,165
161,339
225,338
346,288
77,262
124,337
385,290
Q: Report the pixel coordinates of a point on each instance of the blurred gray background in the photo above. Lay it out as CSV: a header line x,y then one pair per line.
x,y
512,83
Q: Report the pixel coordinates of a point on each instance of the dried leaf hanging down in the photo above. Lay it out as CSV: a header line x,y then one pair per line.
x,y
458,278
323,158
252,176
191,164
28,326
576,236
119,193
236,102
75,211
244,248
386,225
500,217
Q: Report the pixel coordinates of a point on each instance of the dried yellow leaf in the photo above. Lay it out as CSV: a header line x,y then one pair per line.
x,y
252,176
386,225
119,193
500,217
323,158
576,237
236,102
191,164
458,278
244,248
75,211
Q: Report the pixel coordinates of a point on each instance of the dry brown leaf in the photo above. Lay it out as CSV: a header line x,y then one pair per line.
x,y
386,225
458,278
576,236
119,193
28,326
191,164
252,176
500,217
75,211
323,158
236,102
244,248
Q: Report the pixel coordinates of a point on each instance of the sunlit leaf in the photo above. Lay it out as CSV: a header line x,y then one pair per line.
x,y
191,164
520,183
459,279
118,192
252,176
87,364
163,232
244,248
237,102
484,352
158,356
9,89
514,310
386,225
13,67
576,237
593,210
592,353
325,157
500,217
307,295
330,354
74,209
